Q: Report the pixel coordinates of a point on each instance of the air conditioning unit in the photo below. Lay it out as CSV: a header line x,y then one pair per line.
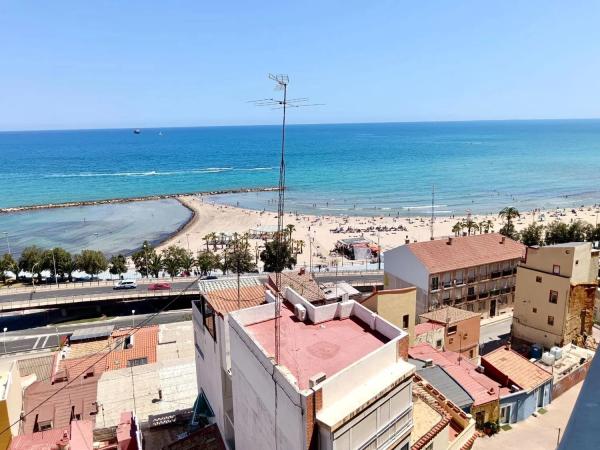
x,y
300,312
480,369
316,379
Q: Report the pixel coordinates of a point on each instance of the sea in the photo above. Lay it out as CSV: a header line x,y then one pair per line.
x,y
343,169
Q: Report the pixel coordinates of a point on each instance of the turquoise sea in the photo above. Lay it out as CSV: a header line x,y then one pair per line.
x,y
331,169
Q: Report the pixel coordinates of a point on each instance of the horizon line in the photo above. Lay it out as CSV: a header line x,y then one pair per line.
x,y
154,127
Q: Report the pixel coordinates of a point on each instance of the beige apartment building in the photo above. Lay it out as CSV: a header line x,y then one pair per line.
x,y
475,273
555,292
397,306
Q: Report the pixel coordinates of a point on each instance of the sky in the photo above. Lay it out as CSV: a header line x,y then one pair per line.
x,y
74,64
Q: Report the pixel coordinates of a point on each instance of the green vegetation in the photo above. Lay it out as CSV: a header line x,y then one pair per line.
x,y
278,256
7,264
237,257
207,261
91,262
509,214
118,265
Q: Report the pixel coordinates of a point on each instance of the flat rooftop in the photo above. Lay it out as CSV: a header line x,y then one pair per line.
x,y
307,349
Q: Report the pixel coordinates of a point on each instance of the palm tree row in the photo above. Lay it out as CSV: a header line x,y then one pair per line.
x,y
485,226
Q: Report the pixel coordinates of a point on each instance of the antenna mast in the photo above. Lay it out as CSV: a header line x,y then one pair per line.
x,y
432,210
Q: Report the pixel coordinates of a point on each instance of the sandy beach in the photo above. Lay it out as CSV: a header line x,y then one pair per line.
x,y
212,217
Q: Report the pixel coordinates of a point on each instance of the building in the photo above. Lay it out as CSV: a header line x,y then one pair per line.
x,y
10,402
484,391
339,291
302,282
341,381
396,306
554,298
476,273
460,327
525,387
210,314
78,434
430,333
439,423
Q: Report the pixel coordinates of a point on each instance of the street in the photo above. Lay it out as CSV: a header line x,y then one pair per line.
x,y
494,333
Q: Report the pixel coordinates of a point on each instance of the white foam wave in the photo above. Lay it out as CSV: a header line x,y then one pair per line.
x,y
256,169
424,207
151,173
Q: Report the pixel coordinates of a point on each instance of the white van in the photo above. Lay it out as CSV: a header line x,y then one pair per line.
x,y
125,284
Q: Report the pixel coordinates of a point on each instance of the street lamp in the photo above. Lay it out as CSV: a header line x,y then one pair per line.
x,y
8,243
55,274
4,336
133,318
188,240
33,273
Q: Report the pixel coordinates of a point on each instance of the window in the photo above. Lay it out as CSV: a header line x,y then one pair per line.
x,y
460,277
208,318
452,329
471,353
553,297
556,269
576,262
471,290
534,310
538,279
137,362
405,321
438,343
550,320
435,283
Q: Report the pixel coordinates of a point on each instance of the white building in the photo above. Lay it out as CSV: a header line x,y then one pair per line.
x,y
476,273
342,381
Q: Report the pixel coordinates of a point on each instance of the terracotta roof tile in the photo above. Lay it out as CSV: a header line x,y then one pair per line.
x,y
449,314
208,438
465,251
518,369
144,345
426,327
303,283
225,301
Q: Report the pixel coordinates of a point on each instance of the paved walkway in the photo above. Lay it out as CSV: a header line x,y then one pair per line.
x,y
535,433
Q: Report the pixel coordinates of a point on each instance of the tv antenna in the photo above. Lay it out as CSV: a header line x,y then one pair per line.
x,y
281,84
432,210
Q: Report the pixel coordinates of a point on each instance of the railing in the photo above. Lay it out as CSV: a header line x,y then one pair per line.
x,y
496,274
471,297
57,301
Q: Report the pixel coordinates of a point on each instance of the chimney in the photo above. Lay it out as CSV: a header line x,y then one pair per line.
x,y
428,362
503,240
449,242
301,271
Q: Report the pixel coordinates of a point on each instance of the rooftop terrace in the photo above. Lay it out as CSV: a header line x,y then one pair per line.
x,y
307,348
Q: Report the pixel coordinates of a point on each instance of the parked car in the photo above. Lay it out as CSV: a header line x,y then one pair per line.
x,y
125,284
159,287
209,277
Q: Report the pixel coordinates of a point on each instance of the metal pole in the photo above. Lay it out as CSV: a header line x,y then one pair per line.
x,y
310,253
5,329
558,438
133,318
378,252
55,273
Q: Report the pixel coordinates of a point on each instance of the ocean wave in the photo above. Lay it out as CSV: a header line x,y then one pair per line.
x,y
212,170
424,207
256,169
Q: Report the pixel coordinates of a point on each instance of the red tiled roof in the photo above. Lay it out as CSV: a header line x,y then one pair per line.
x,y
449,314
518,369
144,345
465,251
208,438
426,327
303,283
225,301
482,388
79,435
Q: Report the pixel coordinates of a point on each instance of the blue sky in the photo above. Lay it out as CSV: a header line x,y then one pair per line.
x,y
96,64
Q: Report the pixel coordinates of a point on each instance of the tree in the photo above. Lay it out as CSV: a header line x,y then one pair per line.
x,y
237,256
470,224
62,259
457,228
578,231
8,264
557,233
141,258
155,264
300,246
274,262
118,265
290,228
91,262
509,213
207,261
593,233
488,226
172,259
187,261
532,235
207,238
31,261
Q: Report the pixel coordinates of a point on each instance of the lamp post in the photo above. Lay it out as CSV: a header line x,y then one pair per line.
x,y
4,338
133,318
8,243
188,240
378,252
55,273
33,273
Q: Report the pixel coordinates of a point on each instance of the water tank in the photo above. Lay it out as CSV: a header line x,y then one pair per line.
x,y
536,351
557,352
548,358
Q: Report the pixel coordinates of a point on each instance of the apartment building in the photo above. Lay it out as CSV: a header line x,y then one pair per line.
x,y
341,380
476,273
10,402
396,306
555,292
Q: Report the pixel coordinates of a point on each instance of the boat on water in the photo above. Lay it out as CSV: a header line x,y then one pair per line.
x,y
137,131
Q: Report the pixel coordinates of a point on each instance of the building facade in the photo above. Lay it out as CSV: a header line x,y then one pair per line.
x,y
10,402
555,294
476,273
460,329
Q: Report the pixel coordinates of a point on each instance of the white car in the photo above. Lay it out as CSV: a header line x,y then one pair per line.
x,y
125,284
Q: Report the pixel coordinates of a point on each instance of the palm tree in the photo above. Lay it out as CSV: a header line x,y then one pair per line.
x,y
470,224
457,228
509,213
207,239
222,236
300,245
489,226
290,228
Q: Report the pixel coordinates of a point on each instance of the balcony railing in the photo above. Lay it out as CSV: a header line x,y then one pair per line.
x,y
496,274
483,294
507,272
471,297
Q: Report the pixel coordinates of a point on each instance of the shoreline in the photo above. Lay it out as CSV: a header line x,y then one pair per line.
x,y
118,200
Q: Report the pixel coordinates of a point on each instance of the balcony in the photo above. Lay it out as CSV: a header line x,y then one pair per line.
x,y
471,279
496,274
447,284
506,273
458,301
494,292
484,294
471,297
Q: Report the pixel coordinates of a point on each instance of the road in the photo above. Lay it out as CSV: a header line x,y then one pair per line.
x,y
494,334
178,285
46,337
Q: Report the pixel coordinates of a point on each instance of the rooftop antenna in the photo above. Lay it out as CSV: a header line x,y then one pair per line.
x,y
281,84
432,210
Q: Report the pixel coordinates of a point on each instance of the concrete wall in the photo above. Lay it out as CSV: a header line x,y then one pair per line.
x,y
432,338
403,269
566,383
11,405
466,338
